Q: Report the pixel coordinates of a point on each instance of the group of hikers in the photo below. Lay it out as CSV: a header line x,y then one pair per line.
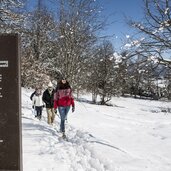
x,y
60,98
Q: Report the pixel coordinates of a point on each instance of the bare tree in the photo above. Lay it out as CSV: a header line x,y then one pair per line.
x,y
101,75
77,32
10,16
38,45
156,29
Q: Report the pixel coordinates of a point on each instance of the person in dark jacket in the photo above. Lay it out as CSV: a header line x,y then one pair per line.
x,y
63,99
49,101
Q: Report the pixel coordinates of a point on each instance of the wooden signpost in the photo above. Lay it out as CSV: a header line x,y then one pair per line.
x,y
10,104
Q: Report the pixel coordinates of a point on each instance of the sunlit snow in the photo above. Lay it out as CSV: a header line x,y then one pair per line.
x,y
131,135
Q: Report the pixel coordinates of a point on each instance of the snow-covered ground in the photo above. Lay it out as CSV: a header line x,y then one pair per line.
x,y
132,135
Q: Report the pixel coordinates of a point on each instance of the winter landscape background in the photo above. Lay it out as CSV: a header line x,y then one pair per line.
x,y
131,135
121,84
77,38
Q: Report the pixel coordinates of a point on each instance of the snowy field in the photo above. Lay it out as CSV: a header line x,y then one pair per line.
x,y
133,135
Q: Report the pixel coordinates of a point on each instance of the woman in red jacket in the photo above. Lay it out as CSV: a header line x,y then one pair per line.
x,y
63,99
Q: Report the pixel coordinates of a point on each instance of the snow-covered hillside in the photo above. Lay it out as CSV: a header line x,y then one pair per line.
x,y
133,135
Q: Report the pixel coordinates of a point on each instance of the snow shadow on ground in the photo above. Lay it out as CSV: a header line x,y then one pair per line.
x,y
74,136
84,100
36,126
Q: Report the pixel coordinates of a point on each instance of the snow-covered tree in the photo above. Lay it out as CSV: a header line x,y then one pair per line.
x,y
77,32
10,16
153,43
101,74
38,45
156,29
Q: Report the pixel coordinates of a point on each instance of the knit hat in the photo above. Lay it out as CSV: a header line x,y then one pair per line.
x,y
50,84
63,78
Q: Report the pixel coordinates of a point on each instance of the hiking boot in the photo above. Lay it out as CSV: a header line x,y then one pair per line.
x,y
63,135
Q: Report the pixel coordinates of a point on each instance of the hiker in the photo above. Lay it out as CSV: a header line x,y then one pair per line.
x,y
38,103
48,100
63,99
31,97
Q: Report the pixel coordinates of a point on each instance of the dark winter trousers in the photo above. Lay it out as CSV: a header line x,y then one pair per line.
x,y
63,111
39,111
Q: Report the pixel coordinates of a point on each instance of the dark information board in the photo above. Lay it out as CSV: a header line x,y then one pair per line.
x,y
10,104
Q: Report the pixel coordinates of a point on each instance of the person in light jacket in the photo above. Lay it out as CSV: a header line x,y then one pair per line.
x,y
38,103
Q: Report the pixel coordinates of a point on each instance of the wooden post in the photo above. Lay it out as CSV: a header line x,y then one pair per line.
x,y
10,104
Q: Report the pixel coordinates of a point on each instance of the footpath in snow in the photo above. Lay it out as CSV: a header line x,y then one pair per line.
x,y
133,135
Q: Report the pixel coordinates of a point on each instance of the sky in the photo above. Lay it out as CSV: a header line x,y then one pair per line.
x,y
132,135
117,10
